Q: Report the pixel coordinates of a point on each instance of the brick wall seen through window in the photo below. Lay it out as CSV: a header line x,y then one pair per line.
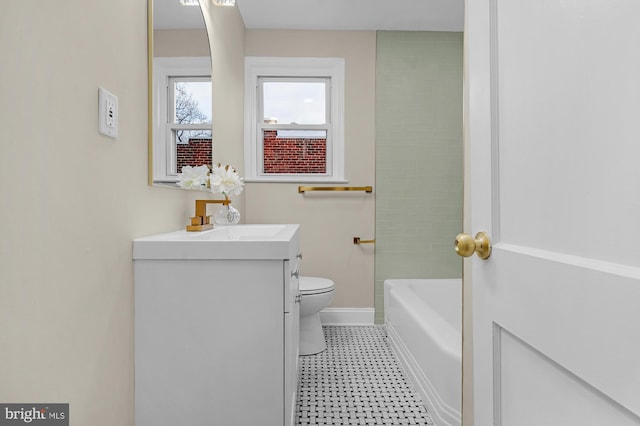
x,y
195,153
302,155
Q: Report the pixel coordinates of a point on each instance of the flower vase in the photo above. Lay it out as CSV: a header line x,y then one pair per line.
x,y
227,215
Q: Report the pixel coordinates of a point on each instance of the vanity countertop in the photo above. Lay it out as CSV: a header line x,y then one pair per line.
x,y
269,241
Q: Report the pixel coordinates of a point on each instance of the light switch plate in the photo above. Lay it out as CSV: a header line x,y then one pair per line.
x,y
107,113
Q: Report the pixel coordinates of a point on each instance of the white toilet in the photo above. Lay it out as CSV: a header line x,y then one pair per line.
x,y
316,294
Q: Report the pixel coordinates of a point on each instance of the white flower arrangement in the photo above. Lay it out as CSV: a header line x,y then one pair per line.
x,y
225,180
194,177
219,179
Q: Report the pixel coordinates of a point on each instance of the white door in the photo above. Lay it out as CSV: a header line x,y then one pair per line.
x,y
553,96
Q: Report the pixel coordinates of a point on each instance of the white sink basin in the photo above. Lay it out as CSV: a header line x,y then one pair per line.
x,y
239,232
222,242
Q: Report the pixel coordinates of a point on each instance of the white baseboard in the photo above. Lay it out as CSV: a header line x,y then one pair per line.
x,y
347,316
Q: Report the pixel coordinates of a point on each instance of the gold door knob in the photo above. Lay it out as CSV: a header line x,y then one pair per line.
x,y
466,245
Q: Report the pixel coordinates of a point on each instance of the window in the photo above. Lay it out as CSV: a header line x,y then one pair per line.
x,y
295,125
294,119
182,115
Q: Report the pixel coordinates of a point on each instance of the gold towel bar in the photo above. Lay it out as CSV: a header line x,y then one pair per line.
x,y
302,189
357,240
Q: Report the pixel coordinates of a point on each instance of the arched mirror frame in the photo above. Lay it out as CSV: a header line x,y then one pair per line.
x,y
150,92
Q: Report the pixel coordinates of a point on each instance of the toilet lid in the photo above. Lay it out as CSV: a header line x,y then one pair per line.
x,y
315,285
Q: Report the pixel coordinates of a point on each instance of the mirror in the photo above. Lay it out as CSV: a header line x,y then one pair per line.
x,y
179,89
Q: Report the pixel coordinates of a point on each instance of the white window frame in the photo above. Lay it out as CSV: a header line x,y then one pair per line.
x,y
164,149
331,68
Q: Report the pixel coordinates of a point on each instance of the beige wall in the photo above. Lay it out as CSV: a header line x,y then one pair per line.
x,y
329,221
72,201
190,42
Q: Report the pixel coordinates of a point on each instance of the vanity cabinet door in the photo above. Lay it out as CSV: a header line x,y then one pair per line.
x,y
209,343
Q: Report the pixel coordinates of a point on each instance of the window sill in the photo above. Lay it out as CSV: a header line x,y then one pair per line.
x,y
297,180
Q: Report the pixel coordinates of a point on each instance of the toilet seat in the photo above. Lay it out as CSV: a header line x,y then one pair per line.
x,y
315,285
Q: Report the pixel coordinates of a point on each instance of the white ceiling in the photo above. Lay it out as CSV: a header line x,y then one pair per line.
x,y
409,15
171,15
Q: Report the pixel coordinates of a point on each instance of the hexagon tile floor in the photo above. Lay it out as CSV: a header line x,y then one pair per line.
x,y
357,381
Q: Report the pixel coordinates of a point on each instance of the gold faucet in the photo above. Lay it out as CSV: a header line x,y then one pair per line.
x,y
202,222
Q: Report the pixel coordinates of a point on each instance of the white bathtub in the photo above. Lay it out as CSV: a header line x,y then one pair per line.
x,y
424,323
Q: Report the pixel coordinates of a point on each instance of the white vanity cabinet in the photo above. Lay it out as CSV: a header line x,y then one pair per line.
x,y
216,327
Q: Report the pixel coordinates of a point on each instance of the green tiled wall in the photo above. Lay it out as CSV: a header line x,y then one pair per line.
x,y
419,156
